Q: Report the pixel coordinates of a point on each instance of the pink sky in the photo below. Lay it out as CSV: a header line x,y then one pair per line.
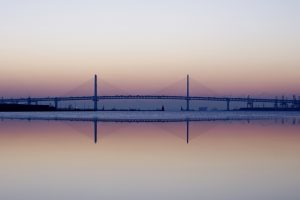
x,y
233,48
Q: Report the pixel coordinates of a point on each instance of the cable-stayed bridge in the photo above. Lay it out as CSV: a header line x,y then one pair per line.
x,y
95,98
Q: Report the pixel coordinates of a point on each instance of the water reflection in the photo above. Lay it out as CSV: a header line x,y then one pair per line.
x,y
245,159
170,126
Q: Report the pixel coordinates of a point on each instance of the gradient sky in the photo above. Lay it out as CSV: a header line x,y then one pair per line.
x,y
233,47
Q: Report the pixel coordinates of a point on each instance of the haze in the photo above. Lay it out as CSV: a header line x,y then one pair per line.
x,y
233,47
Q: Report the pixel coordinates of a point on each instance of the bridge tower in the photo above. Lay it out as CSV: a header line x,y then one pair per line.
x,y
187,92
95,99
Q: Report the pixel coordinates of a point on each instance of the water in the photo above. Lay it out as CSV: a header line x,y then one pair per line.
x,y
233,159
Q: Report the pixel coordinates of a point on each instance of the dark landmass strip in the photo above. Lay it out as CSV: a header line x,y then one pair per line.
x,y
270,109
28,108
24,107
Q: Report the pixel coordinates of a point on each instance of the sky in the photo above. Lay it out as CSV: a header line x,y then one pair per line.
x,y
232,47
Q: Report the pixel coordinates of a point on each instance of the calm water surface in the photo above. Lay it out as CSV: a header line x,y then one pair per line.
x,y
222,160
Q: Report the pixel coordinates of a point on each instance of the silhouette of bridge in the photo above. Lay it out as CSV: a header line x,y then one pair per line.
x,y
95,98
184,121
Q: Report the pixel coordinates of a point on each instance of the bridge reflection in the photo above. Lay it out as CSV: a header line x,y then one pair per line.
x,y
95,129
203,129
201,125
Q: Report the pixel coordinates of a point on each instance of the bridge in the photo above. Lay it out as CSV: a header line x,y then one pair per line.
x,y
95,98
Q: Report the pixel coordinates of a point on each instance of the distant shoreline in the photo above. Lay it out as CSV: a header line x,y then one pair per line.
x,y
49,108
149,115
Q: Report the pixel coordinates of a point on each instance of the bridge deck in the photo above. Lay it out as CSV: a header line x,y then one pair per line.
x,y
116,97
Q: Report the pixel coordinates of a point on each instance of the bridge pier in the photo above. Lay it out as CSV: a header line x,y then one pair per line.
x,y
95,99
228,104
187,93
250,104
294,104
283,103
29,101
56,103
276,103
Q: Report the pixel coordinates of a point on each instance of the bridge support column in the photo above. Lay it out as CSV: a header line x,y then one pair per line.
x,y
55,103
228,104
95,99
29,101
250,104
294,105
276,103
187,93
283,103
